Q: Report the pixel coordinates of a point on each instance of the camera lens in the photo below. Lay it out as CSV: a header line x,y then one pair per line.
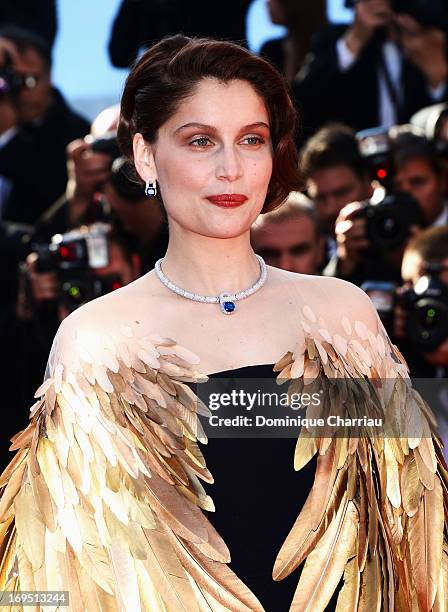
x,y
387,227
74,293
428,323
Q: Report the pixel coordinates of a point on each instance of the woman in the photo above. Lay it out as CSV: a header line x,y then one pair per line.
x,y
104,499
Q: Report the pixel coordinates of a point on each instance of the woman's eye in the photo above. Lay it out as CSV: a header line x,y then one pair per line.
x,y
204,141
200,142
253,140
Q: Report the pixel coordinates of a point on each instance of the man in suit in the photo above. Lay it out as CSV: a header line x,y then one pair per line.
x,y
335,174
419,172
36,124
140,23
376,72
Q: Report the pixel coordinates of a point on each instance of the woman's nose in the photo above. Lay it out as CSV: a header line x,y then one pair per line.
x,y
229,165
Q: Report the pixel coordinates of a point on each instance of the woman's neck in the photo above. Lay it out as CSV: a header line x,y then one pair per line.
x,y
210,266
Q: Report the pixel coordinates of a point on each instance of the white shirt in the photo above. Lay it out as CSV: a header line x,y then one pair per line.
x,y
442,219
393,60
332,247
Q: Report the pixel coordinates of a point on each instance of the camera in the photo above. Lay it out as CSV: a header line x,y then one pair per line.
x,y
389,213
426,304
433,122
374,146
74,256
389,219
11,83
107,144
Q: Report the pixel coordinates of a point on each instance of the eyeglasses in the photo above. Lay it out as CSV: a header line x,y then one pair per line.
x,y
28,81
12,82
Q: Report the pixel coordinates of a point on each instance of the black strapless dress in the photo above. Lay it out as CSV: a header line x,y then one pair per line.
x,y
258,496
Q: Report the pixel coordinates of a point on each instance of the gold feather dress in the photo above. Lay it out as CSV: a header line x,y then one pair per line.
x,y
103,497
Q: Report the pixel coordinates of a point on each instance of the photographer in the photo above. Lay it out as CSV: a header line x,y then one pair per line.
x,y
425,257
102,187
418,172
137,222
421,314
140,221
36,125
335,174
378,71
57,278
89,161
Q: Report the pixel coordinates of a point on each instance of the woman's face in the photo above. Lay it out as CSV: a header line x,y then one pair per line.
x,y
216,144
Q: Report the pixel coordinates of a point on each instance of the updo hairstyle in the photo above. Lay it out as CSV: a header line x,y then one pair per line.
x,y
169,72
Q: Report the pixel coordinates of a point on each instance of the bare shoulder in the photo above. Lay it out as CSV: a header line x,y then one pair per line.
x,y
333,298
103,316
311,284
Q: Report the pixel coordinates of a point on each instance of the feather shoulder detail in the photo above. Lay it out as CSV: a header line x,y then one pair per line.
x,y
103,497
376,519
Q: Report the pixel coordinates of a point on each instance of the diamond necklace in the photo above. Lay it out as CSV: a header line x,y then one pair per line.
x,y
225,300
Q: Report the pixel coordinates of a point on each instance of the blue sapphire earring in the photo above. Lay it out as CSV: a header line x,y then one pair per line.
x,y
151,189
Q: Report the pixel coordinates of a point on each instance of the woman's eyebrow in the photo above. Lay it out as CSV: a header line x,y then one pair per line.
x,y
212,129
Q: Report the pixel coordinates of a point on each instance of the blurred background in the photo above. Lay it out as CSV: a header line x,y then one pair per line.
x,y
369,79
83,34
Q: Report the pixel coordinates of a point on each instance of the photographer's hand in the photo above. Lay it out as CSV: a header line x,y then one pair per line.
x,y
87,171
44,285
351,238
426,48
369,16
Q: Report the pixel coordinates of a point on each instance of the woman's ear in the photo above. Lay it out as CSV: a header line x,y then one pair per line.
x,y
144,159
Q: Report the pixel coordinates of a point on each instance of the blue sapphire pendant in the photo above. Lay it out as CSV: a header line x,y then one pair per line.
x,y
227,306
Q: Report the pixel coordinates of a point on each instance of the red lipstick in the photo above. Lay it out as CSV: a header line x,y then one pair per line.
x,y
228,200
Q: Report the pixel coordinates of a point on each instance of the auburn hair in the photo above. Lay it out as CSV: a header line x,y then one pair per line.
x,y
168,73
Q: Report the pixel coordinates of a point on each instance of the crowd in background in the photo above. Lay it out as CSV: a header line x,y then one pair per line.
x,y
372,98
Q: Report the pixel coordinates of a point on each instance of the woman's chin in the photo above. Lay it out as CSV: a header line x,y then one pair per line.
x,y
224,232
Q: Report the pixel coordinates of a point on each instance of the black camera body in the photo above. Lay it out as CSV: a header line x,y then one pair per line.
x,y
389,217
374,146
426,304
389,220
107,144
74,256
